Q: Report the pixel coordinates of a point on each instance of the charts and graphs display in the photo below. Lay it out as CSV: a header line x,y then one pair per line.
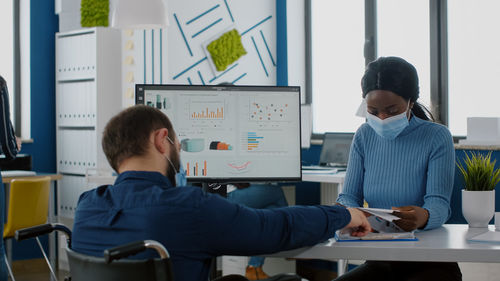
x,y
232,133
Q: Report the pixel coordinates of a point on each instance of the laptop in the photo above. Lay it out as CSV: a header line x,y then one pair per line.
x,y
334,153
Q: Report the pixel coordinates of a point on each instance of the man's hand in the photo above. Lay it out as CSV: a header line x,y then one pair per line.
x,y
359,224
412,217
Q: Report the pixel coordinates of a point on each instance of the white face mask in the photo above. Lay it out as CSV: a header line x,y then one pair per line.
x,y
391,127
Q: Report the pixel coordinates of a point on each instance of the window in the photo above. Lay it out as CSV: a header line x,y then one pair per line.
x,y
473,61
403,31
7,48
337,64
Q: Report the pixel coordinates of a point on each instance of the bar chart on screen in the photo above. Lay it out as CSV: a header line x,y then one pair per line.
x,y
196,168
263,141
203,110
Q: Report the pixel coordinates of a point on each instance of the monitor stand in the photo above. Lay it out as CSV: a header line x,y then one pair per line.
x,y
217,188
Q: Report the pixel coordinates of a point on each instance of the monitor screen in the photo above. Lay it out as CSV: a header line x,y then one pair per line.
x,y
335,151
232,133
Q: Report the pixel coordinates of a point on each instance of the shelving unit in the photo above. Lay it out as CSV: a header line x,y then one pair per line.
x,y
88,94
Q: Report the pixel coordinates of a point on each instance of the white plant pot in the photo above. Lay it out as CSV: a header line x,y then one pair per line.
x,y
478,207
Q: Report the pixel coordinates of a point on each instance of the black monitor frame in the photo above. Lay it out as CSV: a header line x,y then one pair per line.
x,y
139,99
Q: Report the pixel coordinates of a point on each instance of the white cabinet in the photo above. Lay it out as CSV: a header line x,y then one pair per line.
x,y
88,94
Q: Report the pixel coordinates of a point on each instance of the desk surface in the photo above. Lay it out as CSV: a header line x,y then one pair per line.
x,y
324,177
53,177
447,243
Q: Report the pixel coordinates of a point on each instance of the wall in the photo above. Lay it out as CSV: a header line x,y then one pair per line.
x,y
43,27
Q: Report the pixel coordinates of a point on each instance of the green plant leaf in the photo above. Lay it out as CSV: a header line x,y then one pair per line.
x,y
479,171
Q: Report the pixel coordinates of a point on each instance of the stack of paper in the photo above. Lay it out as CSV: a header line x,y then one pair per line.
x,y
382,222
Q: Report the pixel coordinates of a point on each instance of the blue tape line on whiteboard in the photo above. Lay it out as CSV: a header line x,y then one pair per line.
x,y
201,78
229,11
237,79
189,80
257,24
189,68
182,33
267,47
226,71
202,14
260,57
204,29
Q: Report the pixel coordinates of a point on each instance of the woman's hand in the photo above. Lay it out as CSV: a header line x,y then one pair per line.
x,y
358,224
19,143
412,217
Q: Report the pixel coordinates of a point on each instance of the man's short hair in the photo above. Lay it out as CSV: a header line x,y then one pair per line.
x,y
127,134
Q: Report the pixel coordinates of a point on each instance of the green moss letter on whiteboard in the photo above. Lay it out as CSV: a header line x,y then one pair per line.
x,y
94,13
226,49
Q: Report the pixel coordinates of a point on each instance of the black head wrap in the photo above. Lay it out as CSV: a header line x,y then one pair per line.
x,y
396,75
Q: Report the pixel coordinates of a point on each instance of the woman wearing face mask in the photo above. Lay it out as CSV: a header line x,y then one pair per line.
x,y
400,159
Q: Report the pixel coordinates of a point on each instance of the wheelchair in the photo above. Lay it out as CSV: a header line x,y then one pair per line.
x,y
111,266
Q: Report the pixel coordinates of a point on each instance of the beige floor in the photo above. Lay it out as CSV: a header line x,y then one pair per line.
x,y
480,271
33,270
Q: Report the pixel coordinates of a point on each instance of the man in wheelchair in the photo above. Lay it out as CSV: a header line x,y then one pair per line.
x,y
150,200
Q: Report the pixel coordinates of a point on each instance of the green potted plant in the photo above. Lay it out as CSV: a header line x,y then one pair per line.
x,y
478,197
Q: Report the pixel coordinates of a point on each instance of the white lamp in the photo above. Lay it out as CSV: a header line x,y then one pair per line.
x,y
139,14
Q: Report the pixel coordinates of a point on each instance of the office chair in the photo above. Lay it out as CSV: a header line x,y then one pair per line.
x,y
28,205
110,267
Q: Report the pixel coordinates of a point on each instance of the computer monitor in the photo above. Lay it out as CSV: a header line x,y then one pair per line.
x,y
232,133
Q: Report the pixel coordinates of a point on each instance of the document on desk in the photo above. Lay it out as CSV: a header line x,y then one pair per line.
x,y
486,237
382,222
17,173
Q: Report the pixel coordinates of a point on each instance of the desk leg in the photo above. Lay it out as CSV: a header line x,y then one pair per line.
x,y
52,219
329,193
8,242
342,267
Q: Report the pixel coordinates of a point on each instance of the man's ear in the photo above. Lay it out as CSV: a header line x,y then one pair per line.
x,y
160,140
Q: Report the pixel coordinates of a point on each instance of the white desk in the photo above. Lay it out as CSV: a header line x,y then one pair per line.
x,y
445,244
331,184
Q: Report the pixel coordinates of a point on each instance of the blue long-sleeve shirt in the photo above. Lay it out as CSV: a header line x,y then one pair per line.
x,y
416,168
193,225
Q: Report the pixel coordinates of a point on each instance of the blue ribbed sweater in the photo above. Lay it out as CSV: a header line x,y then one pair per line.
x,y
416,168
